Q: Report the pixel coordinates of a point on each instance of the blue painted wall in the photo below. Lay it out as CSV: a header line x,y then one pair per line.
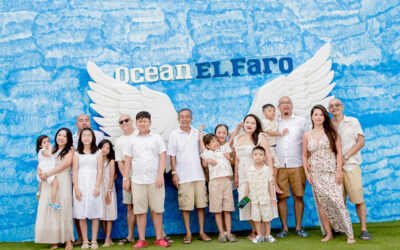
x,y
45,45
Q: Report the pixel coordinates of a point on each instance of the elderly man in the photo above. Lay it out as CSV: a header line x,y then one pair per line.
x,y
352,139
290,171
83,121
126,124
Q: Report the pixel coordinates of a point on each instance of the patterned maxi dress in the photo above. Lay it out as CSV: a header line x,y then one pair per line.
x,y
328,193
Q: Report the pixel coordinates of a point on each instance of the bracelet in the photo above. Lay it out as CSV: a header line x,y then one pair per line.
x,y
110,190
124,179
45,174
173,172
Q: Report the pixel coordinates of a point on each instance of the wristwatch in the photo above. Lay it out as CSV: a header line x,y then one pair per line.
x,y
124,179
346,157
173,172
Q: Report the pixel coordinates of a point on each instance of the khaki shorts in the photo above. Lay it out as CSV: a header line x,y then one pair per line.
x,y
127,197
147,196
352,185
220,195
294,177
192,194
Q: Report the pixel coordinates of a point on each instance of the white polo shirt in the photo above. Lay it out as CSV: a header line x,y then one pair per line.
x,y
289,147
120,145
145,151
186,148
348,131
98,134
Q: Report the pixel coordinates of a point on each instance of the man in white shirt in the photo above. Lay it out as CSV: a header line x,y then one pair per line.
x,y
290,171
126,124
83,121
146,157
187,172
352,140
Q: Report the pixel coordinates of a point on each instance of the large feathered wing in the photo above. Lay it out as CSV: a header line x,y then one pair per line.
x,y
111,98
308,85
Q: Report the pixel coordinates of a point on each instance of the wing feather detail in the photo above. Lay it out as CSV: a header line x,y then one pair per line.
x,y
307,85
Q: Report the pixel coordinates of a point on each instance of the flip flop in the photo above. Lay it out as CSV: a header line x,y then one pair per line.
x,y
125,241
365,236
204,237
187,239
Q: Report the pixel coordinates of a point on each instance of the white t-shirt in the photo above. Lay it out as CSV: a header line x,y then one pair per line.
x,y
98,134
120,144
145,152
225,148
223,169
290,146
186,148
348,131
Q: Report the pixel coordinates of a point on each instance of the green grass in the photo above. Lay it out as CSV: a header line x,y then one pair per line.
x,y
385,236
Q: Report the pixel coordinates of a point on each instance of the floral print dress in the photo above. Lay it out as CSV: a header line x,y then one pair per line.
x,y
328,193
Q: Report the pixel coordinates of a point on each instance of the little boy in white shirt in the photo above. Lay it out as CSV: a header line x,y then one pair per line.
x,y
219,186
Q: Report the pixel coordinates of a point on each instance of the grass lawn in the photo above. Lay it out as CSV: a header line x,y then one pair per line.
x,y
385,236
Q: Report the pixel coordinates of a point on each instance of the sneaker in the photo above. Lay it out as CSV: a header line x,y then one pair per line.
x,y
282,234
222,238
258,239
302,233
56,206
140,244
162,243
270,239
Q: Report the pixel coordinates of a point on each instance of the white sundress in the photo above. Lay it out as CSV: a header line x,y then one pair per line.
x,y
89,207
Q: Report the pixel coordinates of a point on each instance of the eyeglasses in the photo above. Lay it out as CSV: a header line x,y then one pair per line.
x,y
122,121
337,105
285,103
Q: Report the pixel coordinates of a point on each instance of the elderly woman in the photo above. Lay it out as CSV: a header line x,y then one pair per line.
x,y
56,226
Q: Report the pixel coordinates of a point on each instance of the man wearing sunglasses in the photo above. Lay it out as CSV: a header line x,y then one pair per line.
x,y
126,124
352,140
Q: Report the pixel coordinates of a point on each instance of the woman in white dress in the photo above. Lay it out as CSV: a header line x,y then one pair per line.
x,y
56,226
87,177
110,212
243,146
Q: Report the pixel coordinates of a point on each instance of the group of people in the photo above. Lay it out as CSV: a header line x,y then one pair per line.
x,y
272,157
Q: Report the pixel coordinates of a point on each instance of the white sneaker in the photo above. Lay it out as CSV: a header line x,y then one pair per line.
x,y
270,239
258,239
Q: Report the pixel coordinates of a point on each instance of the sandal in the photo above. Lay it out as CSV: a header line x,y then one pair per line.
x,y
168,239
140,244
69,246
94,245
365,236
204,237
125,241
187,239
85,245
54,246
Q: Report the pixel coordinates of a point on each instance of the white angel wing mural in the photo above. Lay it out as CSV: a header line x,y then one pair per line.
x,y
307,86
111,98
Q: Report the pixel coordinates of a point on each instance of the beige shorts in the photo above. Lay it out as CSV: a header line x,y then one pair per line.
x,y
220,195
352,185
261,212
293,177
192,194
147,196
127,197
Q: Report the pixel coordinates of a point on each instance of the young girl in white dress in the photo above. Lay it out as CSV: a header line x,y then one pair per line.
x,y
46,162
108,189
87,176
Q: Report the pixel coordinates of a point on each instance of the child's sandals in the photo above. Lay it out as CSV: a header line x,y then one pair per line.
x,y
94,245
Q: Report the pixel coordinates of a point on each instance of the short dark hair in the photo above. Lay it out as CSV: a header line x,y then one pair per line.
x,y
185,109
259,148
208,138
221,125
143,114
39,142
268,105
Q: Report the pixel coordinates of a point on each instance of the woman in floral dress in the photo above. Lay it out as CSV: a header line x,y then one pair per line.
x,y
322,161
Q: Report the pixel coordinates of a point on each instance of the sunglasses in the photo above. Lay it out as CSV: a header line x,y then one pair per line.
x,y
122,121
